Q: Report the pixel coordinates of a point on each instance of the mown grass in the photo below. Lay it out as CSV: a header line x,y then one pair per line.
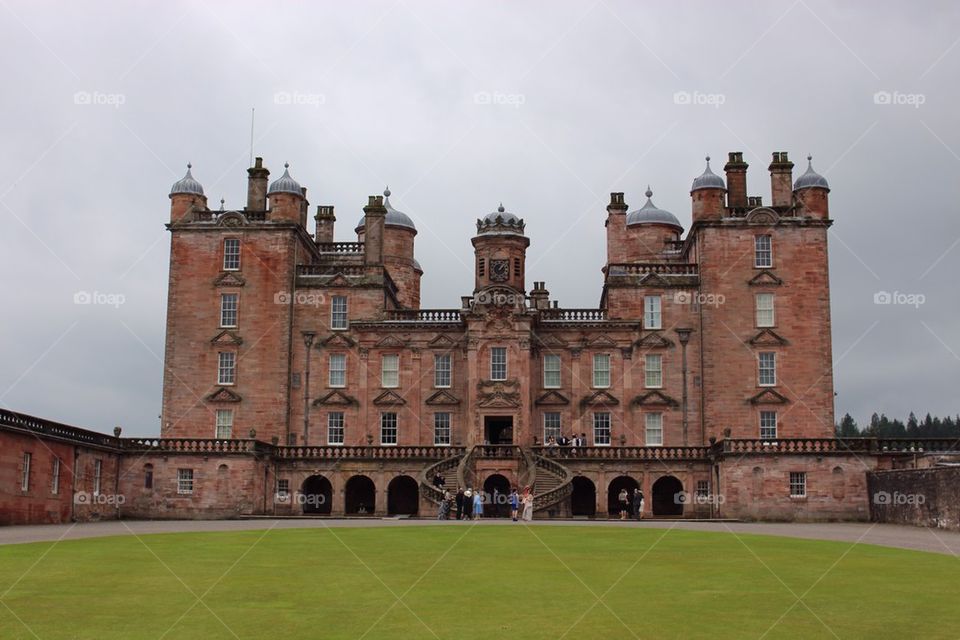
x,y
464,581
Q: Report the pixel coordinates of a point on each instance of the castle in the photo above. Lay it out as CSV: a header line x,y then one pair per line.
x,y
301,374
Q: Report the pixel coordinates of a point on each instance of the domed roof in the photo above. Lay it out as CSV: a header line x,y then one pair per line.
x,y
285,184
649,213
394,218
810,178
707,180
187,184
500,221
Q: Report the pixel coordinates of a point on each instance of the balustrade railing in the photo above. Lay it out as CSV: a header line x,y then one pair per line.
x,y
661,268
341,247
368,452
797,445
423,315
330,269
195,445
57,430
623,453
573,315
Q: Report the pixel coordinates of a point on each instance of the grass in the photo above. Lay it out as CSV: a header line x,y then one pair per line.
x,y
461,581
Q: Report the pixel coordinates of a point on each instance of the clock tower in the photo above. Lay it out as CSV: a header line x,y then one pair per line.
x,y
500,248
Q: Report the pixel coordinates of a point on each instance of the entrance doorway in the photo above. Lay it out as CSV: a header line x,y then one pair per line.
x,y
496,497
583,500
613,495
498,429
403,496
315,495
360,496
666,497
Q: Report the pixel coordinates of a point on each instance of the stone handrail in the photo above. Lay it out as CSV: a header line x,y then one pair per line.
x,y
561,491
796,445
623,453
660,268
426,477
196,445
573,315
423,315
339,452
49,428
330,269
340,247
915,445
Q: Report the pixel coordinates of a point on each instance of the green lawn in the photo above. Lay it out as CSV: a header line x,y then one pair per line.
x,y
461,581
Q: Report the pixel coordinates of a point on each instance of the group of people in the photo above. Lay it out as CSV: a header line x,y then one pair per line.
x,y
631,506
467,504
564,445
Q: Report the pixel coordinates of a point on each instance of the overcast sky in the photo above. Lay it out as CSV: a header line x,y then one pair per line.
x,y
545,106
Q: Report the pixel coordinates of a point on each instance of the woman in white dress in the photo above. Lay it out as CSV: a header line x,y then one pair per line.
x,y
527,504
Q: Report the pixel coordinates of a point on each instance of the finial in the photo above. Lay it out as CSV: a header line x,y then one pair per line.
x,y
189,166
648,193
222,201
386,192
708,159
286,165
500,209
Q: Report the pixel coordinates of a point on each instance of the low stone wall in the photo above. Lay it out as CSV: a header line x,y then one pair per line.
x,y
923,497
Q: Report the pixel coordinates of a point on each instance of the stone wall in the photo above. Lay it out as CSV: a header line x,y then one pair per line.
x,y
924,497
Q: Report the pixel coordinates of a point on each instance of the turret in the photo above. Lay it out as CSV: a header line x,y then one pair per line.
x,y
186,196
811,191
781,180
257,176
736,170
706,195
398,252
649,229
286,198
500,248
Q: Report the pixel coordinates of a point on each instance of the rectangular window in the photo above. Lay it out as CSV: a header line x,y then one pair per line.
x,y
481,266
551,371
601,429
441,429
767,368
227,368
651,313
338,370
97,476
442,370
335,428
601,370
653,424
184,481
224,424
551,426
55,481
768,425
148,477
653,371
798,484
338,312
231,254
390,370
283,487
25,475
762,251
516,267
388,428
764,309
498,363
228,309
703,489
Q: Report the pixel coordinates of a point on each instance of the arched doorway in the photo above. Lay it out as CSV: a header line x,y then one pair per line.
x,y
403,496
583,500
613,495
496,497
316,495
360,496
667,497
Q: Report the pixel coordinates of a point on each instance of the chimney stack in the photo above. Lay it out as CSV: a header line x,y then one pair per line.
x,y
324,220
781,180
257,186
736,170
374,218
540,297
616,225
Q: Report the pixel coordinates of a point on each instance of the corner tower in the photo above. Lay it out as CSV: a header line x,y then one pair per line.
x,y
500,247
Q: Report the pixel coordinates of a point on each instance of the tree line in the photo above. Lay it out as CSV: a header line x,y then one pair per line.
x,y
883,427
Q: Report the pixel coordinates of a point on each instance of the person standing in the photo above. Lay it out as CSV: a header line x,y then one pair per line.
x,y
624,499
444,511
527,504
477,504
514,503
468,504
459,503
638,503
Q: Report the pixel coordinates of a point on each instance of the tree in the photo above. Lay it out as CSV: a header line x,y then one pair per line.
x,y
847,427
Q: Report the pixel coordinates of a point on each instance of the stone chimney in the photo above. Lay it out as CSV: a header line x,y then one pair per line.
x,y
540,297
616,228
324,220
781,180
374,217
736,170
257,186
304,208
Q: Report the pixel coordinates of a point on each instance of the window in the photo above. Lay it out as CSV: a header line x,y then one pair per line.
x,y
338,370
55,481
97,476
338,312
551,371
224,424
653,371
227,368
601,429
516,267
768,368
231,254
25,476
481,266
390,370
551,426
498,363
228,309
441,429
442,369
798,484
764,309
768,425
388,428
283,488
651,313
601,370
184,481
335,427
653,423
703,489
148,476
762,251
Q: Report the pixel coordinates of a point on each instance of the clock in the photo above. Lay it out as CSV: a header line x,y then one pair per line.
x,y
499,270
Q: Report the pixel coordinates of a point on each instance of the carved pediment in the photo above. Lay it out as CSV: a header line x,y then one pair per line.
x,y
337,340
441,398
549,341
602,341
552,398
599,399
763,215
496,393
335,398
768,396
655,398
229,279
339,280
654,340
653,280
768,338
389,398
442,341
765,278
389,342
224,395
227,338
232,219
500,400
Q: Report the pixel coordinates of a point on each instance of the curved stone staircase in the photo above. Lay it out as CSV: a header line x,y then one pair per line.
x,y
552,482
444,466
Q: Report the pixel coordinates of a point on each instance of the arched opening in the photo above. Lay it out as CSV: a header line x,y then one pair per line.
x,y
148,476
360,496
667,497
583,499
838,484
613,495
496,497
316,496
403,496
